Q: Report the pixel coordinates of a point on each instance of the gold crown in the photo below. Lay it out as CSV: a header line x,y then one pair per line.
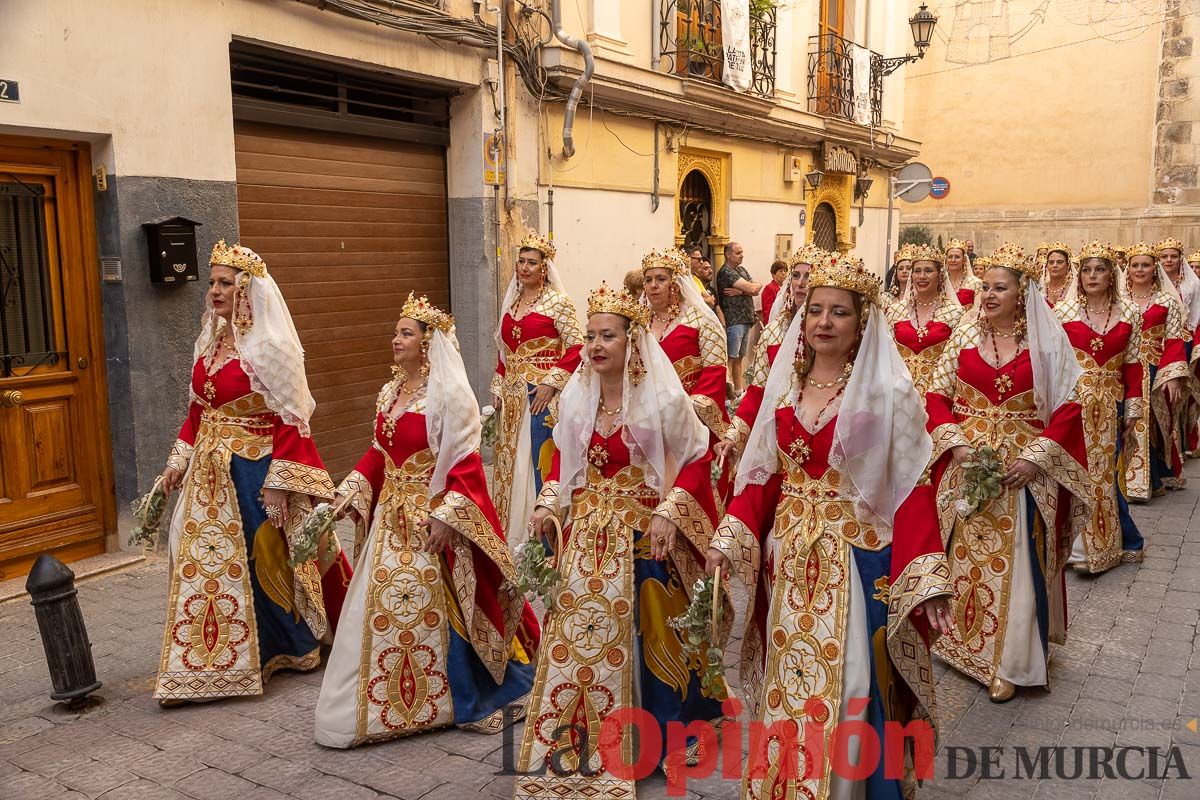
x,y
535,241
1169,243
983,262
844,272
1095,249
808,254
240,258
1042,246
1060,246
617,301
671,260
925,252
1194,257
955,244
1140,249
1009,251
1012,257
420,309
903,254
1117,249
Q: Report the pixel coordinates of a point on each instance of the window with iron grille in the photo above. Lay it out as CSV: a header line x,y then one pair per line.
x,y
26,314
690,41
831,79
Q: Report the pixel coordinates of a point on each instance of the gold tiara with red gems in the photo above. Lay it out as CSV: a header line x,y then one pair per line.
x,y
420,309
1059,246
617,301
955,244
924,252
1140,249
844,272
240,258
535,241
1095,249
1169,243
808,254
670,259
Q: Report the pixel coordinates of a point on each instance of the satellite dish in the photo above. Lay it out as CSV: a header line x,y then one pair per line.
x,y
912,182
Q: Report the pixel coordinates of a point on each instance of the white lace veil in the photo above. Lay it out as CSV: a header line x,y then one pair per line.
x,y
1051,355
451,414
880,444
267,344
690,295
660,427
1189,295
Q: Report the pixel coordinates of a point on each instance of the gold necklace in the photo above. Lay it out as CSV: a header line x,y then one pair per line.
x,y
214,365
515,311
838,381
401,389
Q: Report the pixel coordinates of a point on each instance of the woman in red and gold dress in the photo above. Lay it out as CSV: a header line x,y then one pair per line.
x,y
631,483
767,346
962,280
1007,381
538,342
923,319
249,471
1152,462
435,631
1105,330
1059,276
690,334
834,532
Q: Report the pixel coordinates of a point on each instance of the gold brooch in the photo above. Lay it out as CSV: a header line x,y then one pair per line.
x,y
210,391
598,456
1096,344
516,332
800,450
1003,384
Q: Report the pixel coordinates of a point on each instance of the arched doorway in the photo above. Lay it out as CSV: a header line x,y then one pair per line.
x,y
824,227
695,212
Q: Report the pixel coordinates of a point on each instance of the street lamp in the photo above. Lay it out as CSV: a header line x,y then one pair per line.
x,y
922,24
862,185
813,179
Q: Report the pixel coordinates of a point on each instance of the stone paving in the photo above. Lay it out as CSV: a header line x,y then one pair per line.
x,y
1129,675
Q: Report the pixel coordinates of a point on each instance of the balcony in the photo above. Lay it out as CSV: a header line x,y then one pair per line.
x,y
831,92
690,41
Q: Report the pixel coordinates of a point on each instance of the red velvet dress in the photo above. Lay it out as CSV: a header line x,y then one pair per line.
x,y
436,638
1110,392
237,611
1154,462
921,347
831,595
1006,561
609,646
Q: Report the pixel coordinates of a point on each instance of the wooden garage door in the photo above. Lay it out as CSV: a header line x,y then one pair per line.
x,y
348,226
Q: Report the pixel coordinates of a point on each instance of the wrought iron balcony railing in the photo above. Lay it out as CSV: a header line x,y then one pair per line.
x,y
831,80
690,41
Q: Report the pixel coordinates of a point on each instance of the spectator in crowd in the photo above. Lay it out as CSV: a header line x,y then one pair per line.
x,y
701,276
779,271
971,251
634,282
737,291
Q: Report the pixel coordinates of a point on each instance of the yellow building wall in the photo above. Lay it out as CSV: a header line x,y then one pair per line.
x,y
1066,120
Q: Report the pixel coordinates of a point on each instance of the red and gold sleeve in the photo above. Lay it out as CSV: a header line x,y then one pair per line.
x,y
690,504
919,569
939,398
181,451
1060,450
747,521
364,483
708,396
566,322
295,464
548,498
1132,372
1173,363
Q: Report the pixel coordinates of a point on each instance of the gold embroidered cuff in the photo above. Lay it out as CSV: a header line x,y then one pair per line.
x,y
739,544
926,576
1060,466
1169,373
946,437
548,497
1135,407
497,386
181,455
738,432
682,510
461,513
709,414
300,478
356,487
557,378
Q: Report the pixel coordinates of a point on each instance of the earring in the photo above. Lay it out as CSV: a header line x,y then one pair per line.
x,y
637,369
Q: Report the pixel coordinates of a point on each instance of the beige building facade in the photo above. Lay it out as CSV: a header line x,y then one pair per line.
x,y
368,149
1066,120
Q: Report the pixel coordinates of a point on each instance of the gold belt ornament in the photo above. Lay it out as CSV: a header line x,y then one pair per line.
x,y
248,436
533,359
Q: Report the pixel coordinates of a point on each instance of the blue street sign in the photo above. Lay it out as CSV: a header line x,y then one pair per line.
x,y
939,188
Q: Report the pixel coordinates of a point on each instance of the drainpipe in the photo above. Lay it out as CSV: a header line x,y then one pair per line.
x,y
589,67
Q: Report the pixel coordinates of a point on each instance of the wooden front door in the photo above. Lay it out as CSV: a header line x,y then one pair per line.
x,y
833,57
56,490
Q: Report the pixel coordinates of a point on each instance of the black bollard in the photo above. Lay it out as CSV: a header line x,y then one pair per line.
x,y
51,585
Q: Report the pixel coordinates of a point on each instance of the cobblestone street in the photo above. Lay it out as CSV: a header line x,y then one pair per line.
x,y
1129,675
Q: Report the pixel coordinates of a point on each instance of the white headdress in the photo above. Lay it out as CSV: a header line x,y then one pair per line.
x,y
532,241
880,444
659,426
267,344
